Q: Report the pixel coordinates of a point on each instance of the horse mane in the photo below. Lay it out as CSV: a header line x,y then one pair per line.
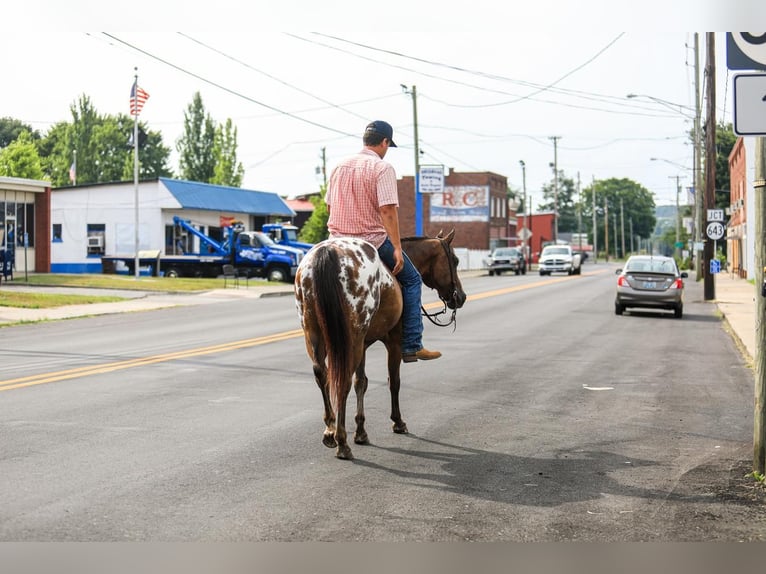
x,y
333,322
416,238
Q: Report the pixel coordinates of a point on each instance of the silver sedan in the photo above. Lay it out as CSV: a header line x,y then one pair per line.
x,y
650,282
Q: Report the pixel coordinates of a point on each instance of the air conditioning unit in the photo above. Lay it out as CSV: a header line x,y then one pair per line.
x,y
95,241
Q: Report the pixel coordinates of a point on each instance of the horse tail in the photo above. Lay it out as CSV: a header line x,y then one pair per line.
x,y
334,322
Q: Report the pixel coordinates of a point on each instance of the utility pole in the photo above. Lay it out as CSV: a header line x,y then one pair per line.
x,y
418,197
324,167
630,221
698,183
710,157
622,227
527,209
678,214
614,220
555,188
595,229
759,429
579,212
606,229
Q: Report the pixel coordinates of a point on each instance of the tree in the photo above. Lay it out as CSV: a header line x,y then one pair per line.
x,y
101,143
227,171
315,228
11,128
724,143
566,202
629,200
195,146
20,158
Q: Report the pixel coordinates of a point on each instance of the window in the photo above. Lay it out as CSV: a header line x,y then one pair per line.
x,y
56,233
96,239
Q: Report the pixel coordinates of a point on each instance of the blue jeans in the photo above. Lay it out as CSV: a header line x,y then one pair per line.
x,y
411,282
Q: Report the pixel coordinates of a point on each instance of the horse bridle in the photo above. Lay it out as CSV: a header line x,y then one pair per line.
x,y
453,278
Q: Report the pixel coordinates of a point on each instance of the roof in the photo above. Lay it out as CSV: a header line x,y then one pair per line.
x,y
300,204
206,196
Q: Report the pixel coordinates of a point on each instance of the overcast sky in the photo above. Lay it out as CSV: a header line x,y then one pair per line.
x,y
492,87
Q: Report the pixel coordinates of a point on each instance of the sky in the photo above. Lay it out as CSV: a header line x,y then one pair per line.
x,y
493,88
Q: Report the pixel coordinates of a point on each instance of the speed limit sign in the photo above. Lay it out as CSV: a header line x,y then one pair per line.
x,y
715,230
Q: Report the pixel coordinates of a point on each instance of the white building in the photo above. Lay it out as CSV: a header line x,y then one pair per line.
x,y
24,205
89,221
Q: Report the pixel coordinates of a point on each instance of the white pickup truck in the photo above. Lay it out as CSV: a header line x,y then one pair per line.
x,y
559,258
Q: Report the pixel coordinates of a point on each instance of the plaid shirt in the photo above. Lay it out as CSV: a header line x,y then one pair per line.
x,y
358,187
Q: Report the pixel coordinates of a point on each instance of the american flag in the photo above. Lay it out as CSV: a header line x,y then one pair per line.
x,y
138,97
72,173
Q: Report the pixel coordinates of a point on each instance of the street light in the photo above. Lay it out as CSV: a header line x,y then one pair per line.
x,y
685,111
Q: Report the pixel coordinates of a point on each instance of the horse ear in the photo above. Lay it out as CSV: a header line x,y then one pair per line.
x,y
450,237
440,235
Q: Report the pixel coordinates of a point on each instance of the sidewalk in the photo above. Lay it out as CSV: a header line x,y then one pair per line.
x,y
735,299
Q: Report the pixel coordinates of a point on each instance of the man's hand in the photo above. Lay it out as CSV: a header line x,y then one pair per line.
x,y
398,261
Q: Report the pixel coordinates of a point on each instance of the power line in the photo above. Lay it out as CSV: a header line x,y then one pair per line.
x,y
224,88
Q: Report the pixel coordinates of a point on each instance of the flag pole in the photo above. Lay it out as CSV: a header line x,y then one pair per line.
x,y
134,102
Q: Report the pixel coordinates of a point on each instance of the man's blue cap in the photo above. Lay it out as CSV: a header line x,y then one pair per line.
x,y
382,128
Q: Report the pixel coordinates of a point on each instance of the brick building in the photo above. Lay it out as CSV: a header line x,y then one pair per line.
x,y
474,204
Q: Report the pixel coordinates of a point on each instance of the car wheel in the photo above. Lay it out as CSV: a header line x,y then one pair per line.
x,y
678,312
491,273
618,309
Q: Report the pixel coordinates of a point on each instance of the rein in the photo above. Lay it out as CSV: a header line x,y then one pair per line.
x,y
453,278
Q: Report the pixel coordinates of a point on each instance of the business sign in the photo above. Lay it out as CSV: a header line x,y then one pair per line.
x,y
746,50
750,104
431,179
461,203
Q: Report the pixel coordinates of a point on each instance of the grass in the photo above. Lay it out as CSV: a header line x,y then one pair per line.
x,y
26,300
125,282
32,300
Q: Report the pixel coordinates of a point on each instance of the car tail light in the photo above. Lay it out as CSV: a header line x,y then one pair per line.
x,y
677,284
621,281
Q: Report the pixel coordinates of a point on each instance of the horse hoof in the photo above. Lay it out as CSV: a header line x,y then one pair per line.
x,y
401,428
329,441
344,453
361,438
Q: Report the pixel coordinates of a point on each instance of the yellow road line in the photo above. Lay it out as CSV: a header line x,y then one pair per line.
x,y
44,378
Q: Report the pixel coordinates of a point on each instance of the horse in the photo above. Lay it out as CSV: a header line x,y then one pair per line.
x,y
347,299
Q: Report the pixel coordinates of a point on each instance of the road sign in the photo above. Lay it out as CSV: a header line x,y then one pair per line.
x,y
715,230
431,179
715,266
715,214
525,233
750,104
746,50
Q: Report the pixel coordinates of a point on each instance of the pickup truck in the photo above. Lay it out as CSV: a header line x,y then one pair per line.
x,y
561,259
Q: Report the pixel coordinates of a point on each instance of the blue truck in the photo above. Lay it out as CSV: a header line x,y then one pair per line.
x,y
285,234
252,253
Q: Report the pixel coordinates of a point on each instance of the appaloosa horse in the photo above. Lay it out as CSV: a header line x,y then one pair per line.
x,y
347,299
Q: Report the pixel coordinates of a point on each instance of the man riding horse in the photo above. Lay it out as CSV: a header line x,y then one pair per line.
x,y
363,202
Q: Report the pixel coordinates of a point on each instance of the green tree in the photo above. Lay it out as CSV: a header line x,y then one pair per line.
x,y
103,153
630,201
20,158
227,170
566,201
195,146
11,128
315,228
724,143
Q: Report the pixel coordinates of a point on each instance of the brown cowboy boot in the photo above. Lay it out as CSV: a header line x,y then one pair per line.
x,y
421,355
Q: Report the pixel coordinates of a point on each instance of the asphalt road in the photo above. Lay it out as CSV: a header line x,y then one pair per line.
x,y
547,419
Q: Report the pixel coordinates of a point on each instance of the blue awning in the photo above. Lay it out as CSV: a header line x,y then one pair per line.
x,y
196,195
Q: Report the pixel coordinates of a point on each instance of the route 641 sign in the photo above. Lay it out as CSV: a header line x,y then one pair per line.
x,y
715,230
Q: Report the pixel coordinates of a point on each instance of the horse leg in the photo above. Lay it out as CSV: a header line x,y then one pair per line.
x,y
317,353
343,450
360,388
394,347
